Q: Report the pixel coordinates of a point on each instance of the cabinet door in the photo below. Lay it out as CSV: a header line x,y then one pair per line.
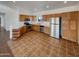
x,y
65,26
48,17
44,17
22,30
35,27
33,18
78,26
46,30
73,27
22,17
28,16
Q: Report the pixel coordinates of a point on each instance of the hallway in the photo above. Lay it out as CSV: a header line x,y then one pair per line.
x,y
4,49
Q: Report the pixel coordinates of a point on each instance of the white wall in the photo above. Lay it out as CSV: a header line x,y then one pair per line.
x,y
11,17
2,20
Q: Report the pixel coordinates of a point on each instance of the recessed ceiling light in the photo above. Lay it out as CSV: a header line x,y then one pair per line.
x,y
47,6
65,2
13,1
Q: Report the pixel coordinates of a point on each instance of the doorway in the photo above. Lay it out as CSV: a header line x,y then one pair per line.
x,y
0,23
2,20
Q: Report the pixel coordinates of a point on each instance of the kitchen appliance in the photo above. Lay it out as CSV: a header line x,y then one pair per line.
x,y
28,25
55,25
41,28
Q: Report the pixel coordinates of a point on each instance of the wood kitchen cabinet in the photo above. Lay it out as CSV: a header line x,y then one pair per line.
x,y
69,26
22,17
65,25
27,16
22,30
46,17
33,18
47,30
15,34
35,27
73,26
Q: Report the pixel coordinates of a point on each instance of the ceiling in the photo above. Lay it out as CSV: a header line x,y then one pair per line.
x,y
37,6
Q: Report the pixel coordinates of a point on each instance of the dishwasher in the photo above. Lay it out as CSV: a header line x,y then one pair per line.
x,y
41,28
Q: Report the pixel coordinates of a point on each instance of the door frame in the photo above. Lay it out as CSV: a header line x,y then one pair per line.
x,y
0,22
2,16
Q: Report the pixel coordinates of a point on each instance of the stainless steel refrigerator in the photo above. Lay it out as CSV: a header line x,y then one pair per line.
x,y
55,25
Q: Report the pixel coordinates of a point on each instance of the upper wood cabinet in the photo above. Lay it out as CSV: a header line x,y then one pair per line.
x,y
33,17
23,17
46,17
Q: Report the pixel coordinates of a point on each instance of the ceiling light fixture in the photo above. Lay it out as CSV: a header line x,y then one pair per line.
x,y
65,2
47,6
13,1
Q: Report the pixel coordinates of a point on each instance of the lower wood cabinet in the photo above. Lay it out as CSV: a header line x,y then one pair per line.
x,y
35,27
47,30
15,34
22,30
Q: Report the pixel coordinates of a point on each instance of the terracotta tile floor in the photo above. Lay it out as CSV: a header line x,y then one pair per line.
x,y
37,44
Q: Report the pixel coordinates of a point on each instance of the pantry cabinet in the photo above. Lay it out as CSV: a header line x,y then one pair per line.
x,y
73,26
65,25
69,26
